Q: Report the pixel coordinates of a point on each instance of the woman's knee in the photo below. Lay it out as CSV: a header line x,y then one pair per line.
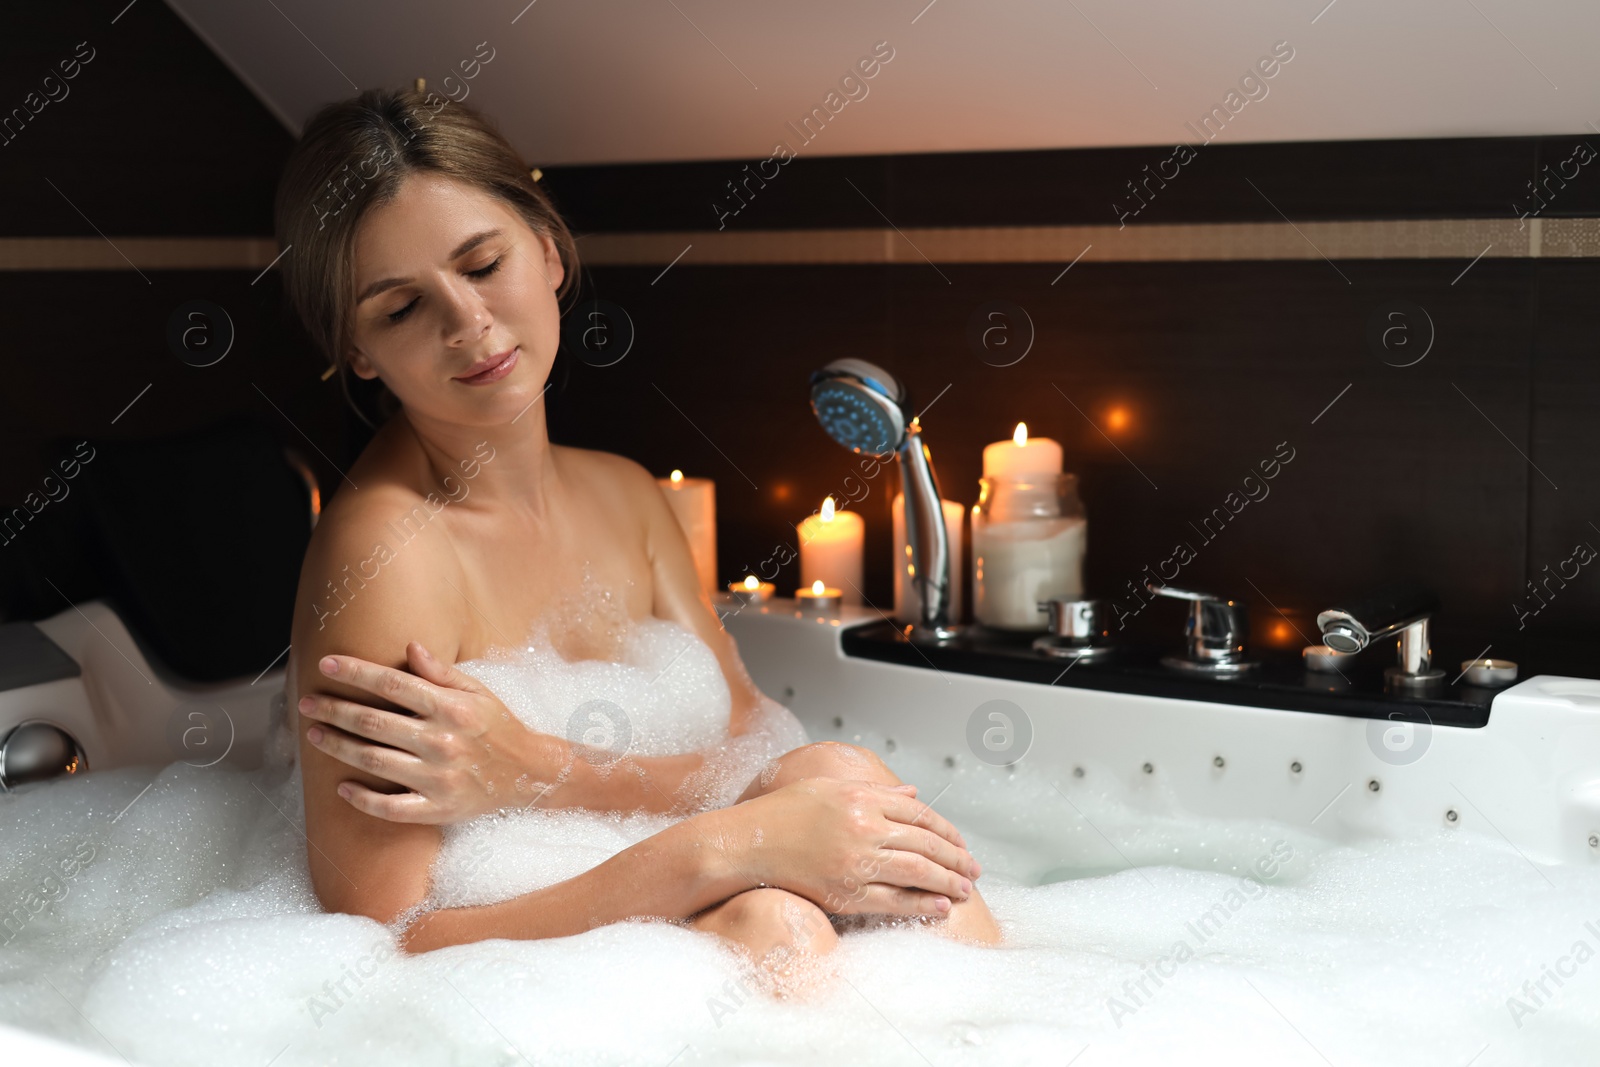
x,y
835,759
775,917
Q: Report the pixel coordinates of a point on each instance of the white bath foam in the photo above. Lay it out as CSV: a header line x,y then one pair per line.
x,y
191,936
664,693
667,683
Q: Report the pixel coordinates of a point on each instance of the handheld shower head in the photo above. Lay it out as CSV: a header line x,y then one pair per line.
x,y
860,405
863,407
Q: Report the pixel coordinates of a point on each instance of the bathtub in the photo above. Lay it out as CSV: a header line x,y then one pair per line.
x,y
1529,775
85,672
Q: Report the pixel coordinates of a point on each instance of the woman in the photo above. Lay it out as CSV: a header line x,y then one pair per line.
x,y
421,253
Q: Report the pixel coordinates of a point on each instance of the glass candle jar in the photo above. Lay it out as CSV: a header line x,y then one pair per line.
x,y
1028,538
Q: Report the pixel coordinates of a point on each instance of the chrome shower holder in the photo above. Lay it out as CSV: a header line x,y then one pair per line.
x,y
863,407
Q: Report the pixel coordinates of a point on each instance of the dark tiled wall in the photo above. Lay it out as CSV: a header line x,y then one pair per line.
x,y
155,138
1426,472
1470,470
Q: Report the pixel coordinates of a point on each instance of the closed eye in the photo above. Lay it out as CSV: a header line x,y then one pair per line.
x,y
481,272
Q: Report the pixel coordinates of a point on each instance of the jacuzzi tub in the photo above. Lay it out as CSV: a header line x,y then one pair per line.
x,y
1529,779
1531,776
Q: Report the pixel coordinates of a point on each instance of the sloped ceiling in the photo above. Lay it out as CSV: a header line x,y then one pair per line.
x,y
600,81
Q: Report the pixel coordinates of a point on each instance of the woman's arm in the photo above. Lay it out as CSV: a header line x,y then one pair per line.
x,y
828,840
360,864
465,725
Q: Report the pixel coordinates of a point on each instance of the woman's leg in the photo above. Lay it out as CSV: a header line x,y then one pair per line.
x,y
781,931
968,919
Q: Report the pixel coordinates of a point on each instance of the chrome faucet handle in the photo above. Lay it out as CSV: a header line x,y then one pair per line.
x,y
1216,632
1403,610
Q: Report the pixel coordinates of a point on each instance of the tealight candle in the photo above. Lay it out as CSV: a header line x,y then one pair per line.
x,y
1489,673
752,591
819,599
830,550
694,502
907,605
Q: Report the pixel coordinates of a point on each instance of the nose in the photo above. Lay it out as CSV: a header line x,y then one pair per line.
x,y
466,317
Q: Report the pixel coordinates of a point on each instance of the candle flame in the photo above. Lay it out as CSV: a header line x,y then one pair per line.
x,y
751,582
826,514
1020,438
677,476
817,587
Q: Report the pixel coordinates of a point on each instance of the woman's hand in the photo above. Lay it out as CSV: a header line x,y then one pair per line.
x,y
851,847
463,754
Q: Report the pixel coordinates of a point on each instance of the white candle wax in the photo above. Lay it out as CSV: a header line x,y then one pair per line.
x,y
694,502
1018,564
1021,456
830,550
907,605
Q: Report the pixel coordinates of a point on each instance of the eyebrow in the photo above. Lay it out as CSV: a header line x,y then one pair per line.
x,y
462,249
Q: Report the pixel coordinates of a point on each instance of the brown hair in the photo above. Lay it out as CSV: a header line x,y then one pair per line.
x,y
354,155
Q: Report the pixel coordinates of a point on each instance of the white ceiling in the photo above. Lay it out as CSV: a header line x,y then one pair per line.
x,y
596,81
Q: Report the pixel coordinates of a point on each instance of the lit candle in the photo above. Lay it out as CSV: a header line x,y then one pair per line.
x,y
1028,534
907,606
1021,456
1489,673
694,502
752,592
819,599
830,550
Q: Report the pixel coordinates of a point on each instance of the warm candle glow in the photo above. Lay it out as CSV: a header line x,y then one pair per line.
x,y
1020,438
752,582
817,587
826,515
1117,418
677,476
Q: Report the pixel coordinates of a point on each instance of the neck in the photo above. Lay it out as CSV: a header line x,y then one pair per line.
x,y
510,465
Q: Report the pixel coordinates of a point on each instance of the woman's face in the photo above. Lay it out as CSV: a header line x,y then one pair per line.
x,y
455,303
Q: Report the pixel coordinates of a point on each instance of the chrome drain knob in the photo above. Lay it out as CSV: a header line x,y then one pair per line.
x,y
36,751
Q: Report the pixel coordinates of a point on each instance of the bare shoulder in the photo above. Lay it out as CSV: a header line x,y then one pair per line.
x,y
374,576
592,460
617,480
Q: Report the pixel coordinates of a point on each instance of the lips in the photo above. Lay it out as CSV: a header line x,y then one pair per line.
x,y
492,369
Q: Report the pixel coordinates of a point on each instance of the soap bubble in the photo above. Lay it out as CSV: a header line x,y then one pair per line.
x,y
999,732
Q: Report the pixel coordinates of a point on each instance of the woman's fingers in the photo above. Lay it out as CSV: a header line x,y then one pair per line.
x,y
905,809
374,724
911,871
395,807
401,768
396,686
926,843
877,899
425,665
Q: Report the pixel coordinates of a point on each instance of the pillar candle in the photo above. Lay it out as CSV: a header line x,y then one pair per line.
x,y
1021,456
907,606
1024,548
694,502
830,550
1017,564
